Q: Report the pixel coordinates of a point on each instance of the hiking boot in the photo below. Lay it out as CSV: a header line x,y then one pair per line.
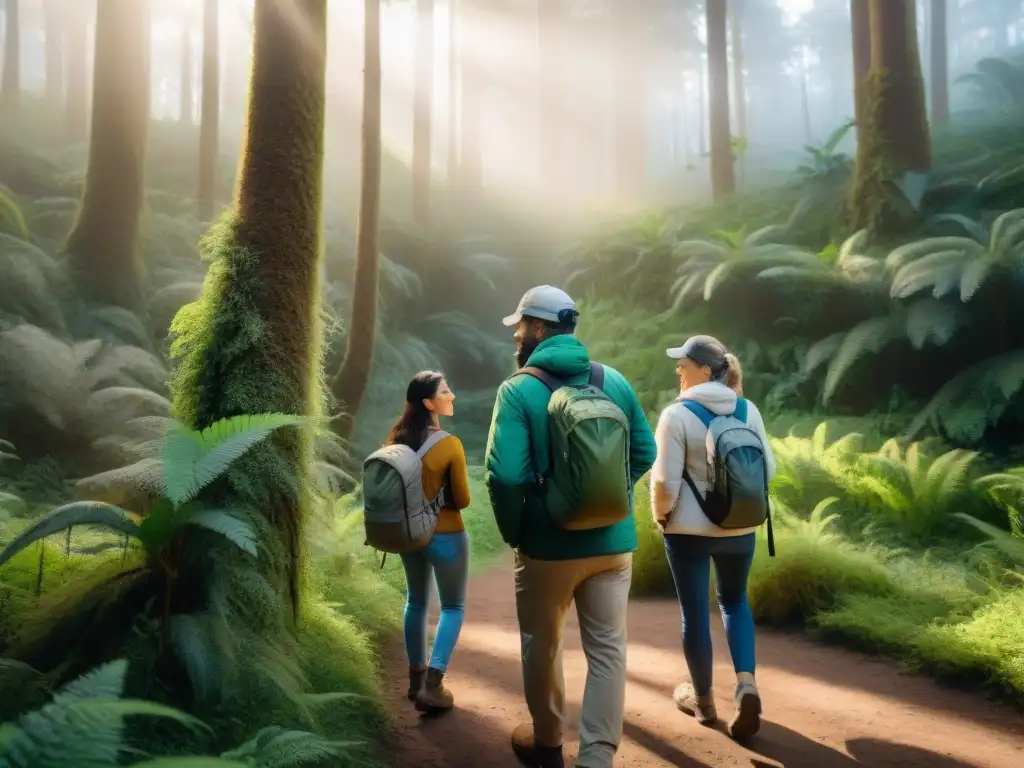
x,y
700,707
747,720
415,682
533,755
433,696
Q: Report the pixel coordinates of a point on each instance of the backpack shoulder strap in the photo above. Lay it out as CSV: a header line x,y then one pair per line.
x,y
597,375
430,442
541,375
698,410
741,410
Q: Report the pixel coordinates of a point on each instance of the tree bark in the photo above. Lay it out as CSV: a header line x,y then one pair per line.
x,y
860,22
76,79
423,112
102,243
739,85
10,85
185,109
252,344
354,374
209,127
939,62
723,178
895,139
53,21
471,92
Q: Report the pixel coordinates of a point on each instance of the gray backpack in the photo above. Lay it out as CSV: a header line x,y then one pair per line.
x,y
397,516
737,495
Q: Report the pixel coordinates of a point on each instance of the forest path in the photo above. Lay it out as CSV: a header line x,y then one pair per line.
x,y
824,706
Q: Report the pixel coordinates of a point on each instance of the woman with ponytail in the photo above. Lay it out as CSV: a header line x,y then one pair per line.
x,y
446,557
711,378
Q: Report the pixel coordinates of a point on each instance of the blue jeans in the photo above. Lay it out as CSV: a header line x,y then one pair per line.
x,y
446,557
690,558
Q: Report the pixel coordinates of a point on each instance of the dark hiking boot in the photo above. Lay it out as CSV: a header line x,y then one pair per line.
x,y
700,707
433,696
533,755
747,720
416,677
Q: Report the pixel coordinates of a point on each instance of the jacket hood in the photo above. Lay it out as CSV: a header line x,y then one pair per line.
x,y
716,397
562,355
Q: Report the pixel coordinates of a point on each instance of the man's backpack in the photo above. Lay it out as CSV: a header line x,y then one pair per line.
x,y
587,483
737,495
397,516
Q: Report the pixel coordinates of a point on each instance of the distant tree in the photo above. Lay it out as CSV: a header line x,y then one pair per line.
x,y
894,138
53,30
423,102
10,85
351,380
187,65
209,127
102,243
76,67
939,61
723,176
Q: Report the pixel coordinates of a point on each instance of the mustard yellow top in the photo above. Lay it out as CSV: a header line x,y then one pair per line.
x,y
447,461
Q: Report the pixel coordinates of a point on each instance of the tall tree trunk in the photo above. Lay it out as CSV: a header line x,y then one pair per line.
x,y
723,178
354,374
471,93
895,139
939,61
453,92
423,107
860,22
550,43
10,86
186,108
702,108
252,343
76,97
805,100
53,22
739,85
209,128
102,244
630,100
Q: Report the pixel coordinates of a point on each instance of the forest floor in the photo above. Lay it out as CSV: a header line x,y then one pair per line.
x,y
824,706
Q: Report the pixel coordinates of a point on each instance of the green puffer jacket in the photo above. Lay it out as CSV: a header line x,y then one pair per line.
x,y
517,452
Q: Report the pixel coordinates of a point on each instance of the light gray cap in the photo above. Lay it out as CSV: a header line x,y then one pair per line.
x,y
544,302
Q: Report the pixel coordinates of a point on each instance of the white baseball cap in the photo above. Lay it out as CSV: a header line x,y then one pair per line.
x,y
544,302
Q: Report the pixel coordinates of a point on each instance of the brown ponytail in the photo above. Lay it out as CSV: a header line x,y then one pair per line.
x,y
733,374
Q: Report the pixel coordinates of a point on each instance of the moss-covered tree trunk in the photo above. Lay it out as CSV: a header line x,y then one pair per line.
x,y
53,23
76,71
351,380
10,85
938,55
252,343
102,244
209,129
895,137
423,107
723,177
860,23
187,99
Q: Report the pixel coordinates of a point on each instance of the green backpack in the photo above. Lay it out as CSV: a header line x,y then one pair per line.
x,y
587,483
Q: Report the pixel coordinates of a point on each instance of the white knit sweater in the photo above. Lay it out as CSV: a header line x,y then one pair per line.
x,y
680,437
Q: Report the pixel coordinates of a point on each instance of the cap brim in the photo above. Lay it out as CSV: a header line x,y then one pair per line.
x,y
676,353
512,319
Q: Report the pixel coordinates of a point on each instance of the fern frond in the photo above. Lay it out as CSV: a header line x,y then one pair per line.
x,y
78,513
275,747
227,525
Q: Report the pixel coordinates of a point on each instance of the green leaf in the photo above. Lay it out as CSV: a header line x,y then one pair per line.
x,y
192,762
78,513
160,525
193,460
230,527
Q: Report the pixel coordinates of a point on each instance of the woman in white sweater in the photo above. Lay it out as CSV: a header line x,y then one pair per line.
x,y
710,377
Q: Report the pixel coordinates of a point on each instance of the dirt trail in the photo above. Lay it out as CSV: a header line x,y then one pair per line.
x,y
823,706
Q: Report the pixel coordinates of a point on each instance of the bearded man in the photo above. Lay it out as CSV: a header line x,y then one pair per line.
x,y
568,514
